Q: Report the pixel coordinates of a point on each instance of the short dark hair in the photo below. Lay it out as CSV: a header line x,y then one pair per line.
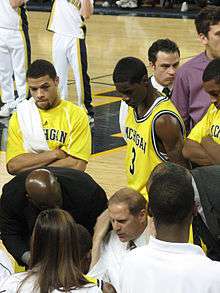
x,y
171,194
212,71
207,16
163,45
41,68
133,199
129,69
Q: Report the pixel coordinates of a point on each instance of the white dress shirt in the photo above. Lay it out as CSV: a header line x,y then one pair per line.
x,y
164,267
12,284
112,255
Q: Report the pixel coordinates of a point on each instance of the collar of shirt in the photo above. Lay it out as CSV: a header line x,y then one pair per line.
x,y
172,247
197,201
156,85
143,239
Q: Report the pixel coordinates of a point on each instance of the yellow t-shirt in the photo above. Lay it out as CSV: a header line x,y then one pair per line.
x,y
143,153
65,126
208,125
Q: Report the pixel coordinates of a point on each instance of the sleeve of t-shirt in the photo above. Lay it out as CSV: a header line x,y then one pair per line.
x,y
15,141
79,140
201,129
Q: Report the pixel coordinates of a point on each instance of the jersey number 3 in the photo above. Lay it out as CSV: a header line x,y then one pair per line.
x,y
132,161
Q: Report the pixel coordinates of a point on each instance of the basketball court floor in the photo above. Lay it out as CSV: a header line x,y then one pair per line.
x,y
109,38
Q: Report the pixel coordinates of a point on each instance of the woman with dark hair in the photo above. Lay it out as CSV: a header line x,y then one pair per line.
x,y
55,260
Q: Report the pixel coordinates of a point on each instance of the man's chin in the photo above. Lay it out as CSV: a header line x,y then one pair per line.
x,y
122,238
43,106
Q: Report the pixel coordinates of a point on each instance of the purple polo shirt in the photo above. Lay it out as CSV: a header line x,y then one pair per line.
x,y
188,94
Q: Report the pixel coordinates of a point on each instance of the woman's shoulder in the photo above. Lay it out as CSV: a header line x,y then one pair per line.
x,y
12,283
88,288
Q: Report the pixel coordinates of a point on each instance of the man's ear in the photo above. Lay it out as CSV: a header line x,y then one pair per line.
x,y
143,216
203,39
56,80
145,80
195,210
152,65
149,211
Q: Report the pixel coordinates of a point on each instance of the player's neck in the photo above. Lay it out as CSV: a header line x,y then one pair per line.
x,y
146,104
173,233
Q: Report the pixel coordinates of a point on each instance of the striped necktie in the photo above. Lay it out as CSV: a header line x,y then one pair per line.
x,y
167,92
131,245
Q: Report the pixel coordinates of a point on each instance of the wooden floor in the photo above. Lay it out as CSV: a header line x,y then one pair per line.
x,y
110,38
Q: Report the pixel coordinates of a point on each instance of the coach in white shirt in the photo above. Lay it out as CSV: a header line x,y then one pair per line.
x,y
164,59
128,216
169,263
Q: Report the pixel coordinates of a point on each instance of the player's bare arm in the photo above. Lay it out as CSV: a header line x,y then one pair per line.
x,y
100,231
169,132
196,153
70,162
30,160
16,3
212,148
86,8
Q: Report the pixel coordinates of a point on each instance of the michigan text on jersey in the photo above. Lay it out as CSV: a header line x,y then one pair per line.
x,y
138,140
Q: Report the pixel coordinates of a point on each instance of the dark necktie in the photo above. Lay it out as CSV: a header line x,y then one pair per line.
x,y
131,245
167,92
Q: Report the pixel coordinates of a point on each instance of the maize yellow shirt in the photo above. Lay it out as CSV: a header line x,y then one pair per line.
x,y
65,126
208,125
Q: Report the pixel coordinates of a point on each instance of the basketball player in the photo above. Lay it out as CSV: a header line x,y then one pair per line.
x,y
14,53
203,143
69,47
46,130
154,128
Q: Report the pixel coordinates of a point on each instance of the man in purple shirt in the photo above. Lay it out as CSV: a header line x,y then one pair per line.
x,y
188,94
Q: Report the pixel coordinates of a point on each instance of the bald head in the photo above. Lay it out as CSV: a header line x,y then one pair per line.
x,y
43,189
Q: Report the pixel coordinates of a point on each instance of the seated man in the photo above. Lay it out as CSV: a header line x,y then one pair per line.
x,y
32,191
168,263
154,128
128,216
47,131
202,145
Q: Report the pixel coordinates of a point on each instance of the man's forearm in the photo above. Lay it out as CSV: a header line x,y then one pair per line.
x,y
17,3
195,152
213,150
176,157
70,162
86,8
27,161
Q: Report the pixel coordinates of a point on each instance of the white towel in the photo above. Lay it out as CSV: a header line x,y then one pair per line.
x,y
31,127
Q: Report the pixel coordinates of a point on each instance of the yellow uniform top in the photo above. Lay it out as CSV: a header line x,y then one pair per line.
x,y
208,125
65,126
90,279
143,153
